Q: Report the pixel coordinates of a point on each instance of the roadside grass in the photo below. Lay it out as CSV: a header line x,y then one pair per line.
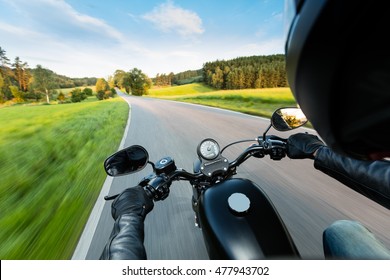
x,y
52,172
259,102
194,88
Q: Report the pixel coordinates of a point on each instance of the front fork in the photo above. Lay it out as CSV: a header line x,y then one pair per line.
x,y
195,205
196,191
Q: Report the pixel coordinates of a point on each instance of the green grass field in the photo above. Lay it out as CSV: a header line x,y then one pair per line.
x,y
194,88
68,90
52,172
260,102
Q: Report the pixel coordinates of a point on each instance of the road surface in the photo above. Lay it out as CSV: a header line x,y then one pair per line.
x,y
307,200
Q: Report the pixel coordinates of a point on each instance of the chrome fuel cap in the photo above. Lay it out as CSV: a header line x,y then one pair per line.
x,y
239,203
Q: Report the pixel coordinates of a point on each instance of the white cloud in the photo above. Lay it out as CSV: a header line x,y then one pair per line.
x,y
57,17
66,41
15,30
170,18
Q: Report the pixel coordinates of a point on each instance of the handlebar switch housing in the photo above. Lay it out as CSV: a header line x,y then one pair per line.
x,y
158,188
165,165
277,153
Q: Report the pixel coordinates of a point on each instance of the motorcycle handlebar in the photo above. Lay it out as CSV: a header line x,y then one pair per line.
x,y
157,188
157,185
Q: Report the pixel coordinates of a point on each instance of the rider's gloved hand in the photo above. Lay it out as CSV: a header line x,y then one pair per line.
x,y
132,201
303,145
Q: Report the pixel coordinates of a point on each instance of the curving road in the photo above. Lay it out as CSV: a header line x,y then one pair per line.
x,y
307,199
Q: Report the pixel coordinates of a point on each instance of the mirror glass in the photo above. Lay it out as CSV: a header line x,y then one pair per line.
x,y
126,161
284,119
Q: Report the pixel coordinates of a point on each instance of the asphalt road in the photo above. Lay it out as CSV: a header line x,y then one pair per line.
x,y
307,200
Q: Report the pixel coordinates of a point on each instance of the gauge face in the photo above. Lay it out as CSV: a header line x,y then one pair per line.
x,y
208,149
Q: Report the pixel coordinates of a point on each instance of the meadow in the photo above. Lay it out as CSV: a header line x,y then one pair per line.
x,y
52,172
259,102
66,91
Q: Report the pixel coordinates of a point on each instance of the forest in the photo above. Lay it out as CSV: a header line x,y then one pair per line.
x,y
239,73
246,72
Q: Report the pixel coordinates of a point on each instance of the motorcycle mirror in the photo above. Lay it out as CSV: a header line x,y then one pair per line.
x,y
288,118
126,161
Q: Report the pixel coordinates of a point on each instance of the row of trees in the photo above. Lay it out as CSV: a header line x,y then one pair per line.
x,y
163,79
186,77
246,72
20,82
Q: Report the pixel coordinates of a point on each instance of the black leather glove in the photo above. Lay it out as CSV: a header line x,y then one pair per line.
x,y
303,145
132,201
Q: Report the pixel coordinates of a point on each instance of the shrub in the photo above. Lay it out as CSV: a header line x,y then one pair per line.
x,y
100,95
61,97
87,91
77,95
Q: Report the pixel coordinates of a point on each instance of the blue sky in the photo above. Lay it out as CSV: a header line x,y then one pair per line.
x,y
81,38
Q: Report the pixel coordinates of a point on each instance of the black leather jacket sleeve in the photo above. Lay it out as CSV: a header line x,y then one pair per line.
x,y
126,240
370,178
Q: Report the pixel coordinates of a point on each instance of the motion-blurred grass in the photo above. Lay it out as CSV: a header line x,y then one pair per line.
x,y
51,173
259,102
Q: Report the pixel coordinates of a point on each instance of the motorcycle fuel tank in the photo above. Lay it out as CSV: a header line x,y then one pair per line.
x,y
239,221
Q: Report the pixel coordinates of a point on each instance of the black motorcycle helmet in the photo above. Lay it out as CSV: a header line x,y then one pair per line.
x,y
338,68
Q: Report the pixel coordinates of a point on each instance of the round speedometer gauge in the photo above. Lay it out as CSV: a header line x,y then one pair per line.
x,y
208,149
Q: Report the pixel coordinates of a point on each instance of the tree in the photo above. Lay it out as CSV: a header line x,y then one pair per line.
x,y
217,78
7,75
1,91
43,81
139,82
18,95
118,79
101,85
3,59
22,74
111,81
